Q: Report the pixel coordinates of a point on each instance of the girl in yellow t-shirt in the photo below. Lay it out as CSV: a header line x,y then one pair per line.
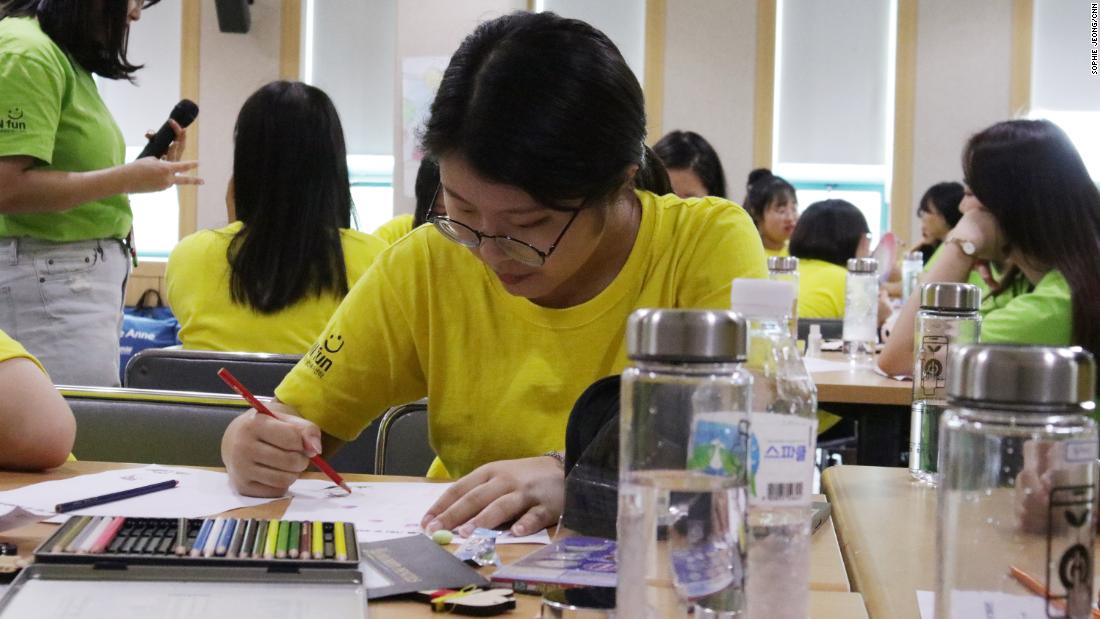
x,y
773,204
37,428
504,310
828,234
270,281
693,166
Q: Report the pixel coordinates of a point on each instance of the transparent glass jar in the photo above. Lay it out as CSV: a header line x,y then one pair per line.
x,y
1018,474
683,477
948,318
785,269
911,268
861,311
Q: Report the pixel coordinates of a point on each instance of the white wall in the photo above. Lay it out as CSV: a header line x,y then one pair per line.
x,y
354,44
623,21
962,84
432,28
710,66
232,67
154,43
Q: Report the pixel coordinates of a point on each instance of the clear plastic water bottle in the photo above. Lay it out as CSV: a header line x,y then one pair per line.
x,y
683,476
948,318
785,269
784,438
1018,474
861,311
911,268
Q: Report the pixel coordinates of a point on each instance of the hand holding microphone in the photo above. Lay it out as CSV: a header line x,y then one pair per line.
x,y
171,134
150,172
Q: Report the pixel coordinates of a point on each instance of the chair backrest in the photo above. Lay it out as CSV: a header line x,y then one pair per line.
x,y
403,447
173,427
831,328
176,369
139,425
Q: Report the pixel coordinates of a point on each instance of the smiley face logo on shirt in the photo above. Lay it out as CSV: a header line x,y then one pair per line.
x,y
15,113
334,343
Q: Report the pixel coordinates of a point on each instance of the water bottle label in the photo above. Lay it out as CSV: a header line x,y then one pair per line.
x,y
932,366
782,451
719,443
1080,451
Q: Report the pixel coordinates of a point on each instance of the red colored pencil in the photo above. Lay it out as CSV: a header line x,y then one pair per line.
x,y
317,460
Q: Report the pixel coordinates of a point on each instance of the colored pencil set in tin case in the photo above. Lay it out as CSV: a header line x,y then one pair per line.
x,y
199,541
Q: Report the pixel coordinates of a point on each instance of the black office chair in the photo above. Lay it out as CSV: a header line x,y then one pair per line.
x,y
402,447
173,427
831,328
176,369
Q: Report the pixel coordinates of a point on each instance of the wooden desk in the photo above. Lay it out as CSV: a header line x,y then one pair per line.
x,y
830,598
860,386
887,530
879,405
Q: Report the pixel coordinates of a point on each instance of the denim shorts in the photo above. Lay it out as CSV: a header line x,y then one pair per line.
x,y
63,303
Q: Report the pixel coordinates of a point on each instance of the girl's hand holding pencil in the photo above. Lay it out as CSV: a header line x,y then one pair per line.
x,y
267,449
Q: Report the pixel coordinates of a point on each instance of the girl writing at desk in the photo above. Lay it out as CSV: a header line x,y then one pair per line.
x,y
508,307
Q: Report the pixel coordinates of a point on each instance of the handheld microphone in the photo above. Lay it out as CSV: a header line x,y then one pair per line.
x,y
184,113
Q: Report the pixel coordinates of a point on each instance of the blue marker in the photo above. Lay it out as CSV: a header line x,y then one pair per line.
x,y
200,539
226,538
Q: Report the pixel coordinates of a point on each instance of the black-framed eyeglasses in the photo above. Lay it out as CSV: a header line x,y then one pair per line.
x,y
520,251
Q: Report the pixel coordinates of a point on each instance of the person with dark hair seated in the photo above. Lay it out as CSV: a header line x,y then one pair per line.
x,y
546,249
773,204
270,281
938,212
64,212
828,234
693,165
1029,201
429,201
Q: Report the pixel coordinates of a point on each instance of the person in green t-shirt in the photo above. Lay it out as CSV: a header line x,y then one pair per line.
x,y
1029,200
64,210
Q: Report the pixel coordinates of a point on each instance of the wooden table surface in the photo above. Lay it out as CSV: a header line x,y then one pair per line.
x,y
860,386
830,593
887,530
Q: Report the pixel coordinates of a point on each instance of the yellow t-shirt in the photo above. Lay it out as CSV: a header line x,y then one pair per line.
x,y
501,373
10,349
821,289
197,283
394,229
782,251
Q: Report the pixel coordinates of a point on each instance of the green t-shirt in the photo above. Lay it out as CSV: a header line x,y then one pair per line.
x,y
990,301
1042,316
51,110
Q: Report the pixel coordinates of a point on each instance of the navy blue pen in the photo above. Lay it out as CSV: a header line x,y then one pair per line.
x,y
114,496
200,541
226,538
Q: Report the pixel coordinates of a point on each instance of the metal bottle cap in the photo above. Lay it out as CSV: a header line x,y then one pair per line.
x,y
916,254
1043,376
951,296
573,604
862,265
686,336
782,264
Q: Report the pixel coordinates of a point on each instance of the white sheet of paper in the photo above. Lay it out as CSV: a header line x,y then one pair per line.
x,y
104,599
380,511
200,493
985,605
13,517
818,364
